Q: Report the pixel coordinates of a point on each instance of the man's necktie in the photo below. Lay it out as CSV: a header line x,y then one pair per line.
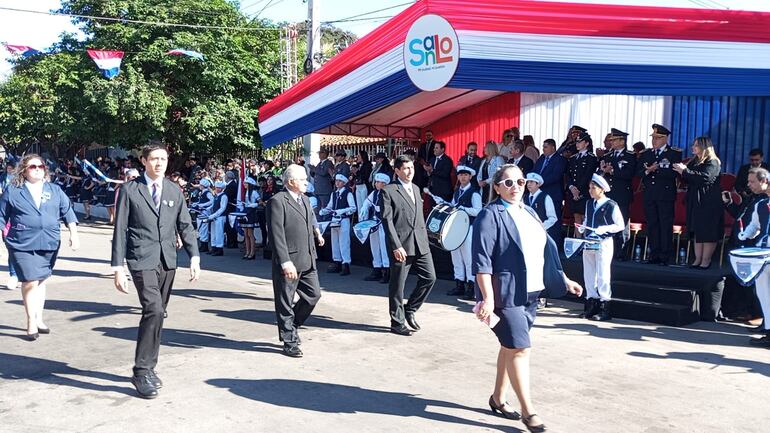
x,y
545,164
155,195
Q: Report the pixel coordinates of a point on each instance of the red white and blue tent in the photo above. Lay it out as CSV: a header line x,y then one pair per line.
x,y
523,46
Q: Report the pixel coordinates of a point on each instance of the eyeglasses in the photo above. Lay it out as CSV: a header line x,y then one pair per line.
x,y
508,183
36,167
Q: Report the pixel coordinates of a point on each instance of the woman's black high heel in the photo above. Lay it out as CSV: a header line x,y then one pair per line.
x,y
501,410
533,428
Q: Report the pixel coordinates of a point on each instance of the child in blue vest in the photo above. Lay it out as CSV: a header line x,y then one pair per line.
x,y
543,206
341,206
205,200
466,198
218,218
371,210
602,219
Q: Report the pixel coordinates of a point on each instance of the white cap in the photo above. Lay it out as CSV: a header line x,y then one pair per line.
x,y
535,178
341,177
310,187
250,181
205,183
465,169
382,177
220,184
601,181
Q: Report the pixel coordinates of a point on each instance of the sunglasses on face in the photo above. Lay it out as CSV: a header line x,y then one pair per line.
x,y
36,167
508,183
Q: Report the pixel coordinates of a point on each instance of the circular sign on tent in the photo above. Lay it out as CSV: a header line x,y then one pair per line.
x,y
431,52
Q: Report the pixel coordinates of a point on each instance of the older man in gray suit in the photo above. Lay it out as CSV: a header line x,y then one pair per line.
x,y
149,215
407,240
293,233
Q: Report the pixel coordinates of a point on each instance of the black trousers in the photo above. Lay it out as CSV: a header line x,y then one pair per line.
x,y
232,235
660,228
426,278
262,221
154,290
292,317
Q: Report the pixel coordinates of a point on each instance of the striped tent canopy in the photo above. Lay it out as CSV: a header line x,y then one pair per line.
x,y
499,46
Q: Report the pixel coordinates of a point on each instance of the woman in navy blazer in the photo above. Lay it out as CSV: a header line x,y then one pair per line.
x,y
509,283
34,208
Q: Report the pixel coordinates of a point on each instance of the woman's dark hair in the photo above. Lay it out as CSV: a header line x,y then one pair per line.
x,y
400,161
364,156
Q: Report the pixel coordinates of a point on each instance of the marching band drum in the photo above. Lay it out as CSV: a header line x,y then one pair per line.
x,y
447,227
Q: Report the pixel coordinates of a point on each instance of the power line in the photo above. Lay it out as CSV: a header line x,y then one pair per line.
x,y
263,9
152,23
360,19
369,13
251,5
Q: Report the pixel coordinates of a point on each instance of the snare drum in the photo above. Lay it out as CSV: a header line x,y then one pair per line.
x,y
574,245
748,263
363,229
448,227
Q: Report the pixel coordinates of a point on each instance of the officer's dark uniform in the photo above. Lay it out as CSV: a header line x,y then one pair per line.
x,y
659,196
623,164
567,147
581,167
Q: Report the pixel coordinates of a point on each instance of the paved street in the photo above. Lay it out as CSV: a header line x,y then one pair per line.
x,y
223,370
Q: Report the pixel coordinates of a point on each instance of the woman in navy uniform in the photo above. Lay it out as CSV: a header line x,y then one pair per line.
x,y
509,283
582,166
34,207
250,202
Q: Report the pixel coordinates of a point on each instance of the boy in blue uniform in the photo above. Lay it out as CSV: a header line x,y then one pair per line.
x,y
466,198
341,205
371,210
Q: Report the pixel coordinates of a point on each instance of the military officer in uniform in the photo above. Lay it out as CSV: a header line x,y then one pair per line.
x,y
568,146
655,166
618,167
582,166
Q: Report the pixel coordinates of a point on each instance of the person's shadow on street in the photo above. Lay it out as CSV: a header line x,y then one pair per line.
x,y
335,398
17,367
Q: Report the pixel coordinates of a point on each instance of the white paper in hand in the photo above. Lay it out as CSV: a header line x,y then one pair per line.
x,y
490,321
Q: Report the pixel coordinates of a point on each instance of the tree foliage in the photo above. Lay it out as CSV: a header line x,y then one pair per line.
x,y
62,101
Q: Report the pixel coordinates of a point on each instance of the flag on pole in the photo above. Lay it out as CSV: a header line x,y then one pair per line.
x,y
188,53
107,61
21,50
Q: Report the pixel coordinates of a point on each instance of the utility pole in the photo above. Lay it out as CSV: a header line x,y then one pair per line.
x,y
312,142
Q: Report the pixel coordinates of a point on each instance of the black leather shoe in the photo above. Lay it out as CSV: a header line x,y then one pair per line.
x,y
217,252
43,330
144,386
154,379
334,268
292,350
501,410
32,337
401,330
470,291
412,322
385,276
345,270
761,342
376,275
603,314
458,290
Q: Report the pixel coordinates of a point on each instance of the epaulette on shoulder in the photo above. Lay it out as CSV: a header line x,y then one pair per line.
x,y
676,149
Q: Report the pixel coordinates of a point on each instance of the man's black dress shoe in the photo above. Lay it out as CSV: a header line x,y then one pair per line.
x,y
43,330
401,330
761,342
144,386
412,322
154,379
292,350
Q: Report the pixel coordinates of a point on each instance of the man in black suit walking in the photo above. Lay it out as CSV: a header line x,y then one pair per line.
x,y
293,233
149,214
407,239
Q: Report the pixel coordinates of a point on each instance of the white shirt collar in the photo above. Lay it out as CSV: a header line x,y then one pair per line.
x,y
601,201
293,194
158,182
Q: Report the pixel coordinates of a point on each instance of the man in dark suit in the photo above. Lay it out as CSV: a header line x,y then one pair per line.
x,y
471,158
756,157
655,166
424,154
149,216
231,191
618,166
440,171
293,233
407,240
519,159
551,167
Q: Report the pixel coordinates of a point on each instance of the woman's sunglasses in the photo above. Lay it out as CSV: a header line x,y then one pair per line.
x,y
34,167
508,183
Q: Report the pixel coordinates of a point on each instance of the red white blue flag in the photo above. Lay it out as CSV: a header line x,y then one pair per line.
x,y
21,50
107,61
188,53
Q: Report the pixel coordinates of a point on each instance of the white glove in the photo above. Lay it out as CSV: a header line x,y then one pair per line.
x,y
324,211
742,236
600,231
